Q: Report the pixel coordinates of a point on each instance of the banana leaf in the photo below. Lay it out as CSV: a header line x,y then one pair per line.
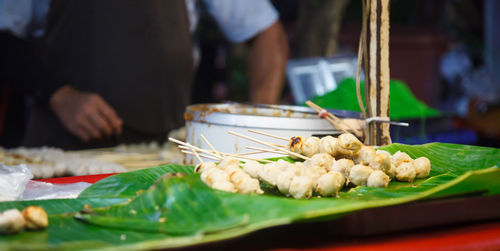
x,y
129,212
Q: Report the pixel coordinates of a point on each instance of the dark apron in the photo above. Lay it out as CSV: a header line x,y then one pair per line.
x,y
136,54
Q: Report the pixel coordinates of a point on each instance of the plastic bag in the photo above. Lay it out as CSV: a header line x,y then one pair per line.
x,y
13,180
37,190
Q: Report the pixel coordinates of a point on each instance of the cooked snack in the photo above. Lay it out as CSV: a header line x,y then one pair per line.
x,y
253,168
328,144
214,175
11,221
348,144
301,187
381,162
310,146
244,183
405,172
342,166
323,160
285,180
378,179
329,184
401,157
202,167
295,145
422,167
359,174
365,155
35,217
269,173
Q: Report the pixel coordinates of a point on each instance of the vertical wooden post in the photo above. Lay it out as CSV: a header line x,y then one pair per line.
x,y
376,67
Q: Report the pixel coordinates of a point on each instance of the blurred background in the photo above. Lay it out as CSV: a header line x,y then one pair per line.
x,y
444,61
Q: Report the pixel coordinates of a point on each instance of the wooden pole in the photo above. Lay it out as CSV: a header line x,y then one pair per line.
x,y
376,65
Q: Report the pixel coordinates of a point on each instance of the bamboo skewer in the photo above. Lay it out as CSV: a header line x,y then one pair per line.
x,y
334,120
269,145
231,155
201,155
262,150
209,145
269,135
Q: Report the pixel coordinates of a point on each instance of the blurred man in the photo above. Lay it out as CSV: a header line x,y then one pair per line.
x,y
129,66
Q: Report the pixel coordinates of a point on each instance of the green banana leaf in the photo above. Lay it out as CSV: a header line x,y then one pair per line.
x,y
130,213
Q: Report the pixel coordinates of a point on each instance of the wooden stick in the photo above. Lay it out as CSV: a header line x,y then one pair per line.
x,y
269,135
318,109
197,156
201,155
262,150
234,155
269,145
334,119
209,145
189,146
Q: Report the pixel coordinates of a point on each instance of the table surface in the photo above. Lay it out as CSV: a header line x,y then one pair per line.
x,y
478,236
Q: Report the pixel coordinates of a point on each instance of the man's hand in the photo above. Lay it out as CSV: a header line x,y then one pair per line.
x,y
86,115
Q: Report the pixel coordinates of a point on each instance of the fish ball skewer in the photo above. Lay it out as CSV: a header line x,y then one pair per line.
x,y
378,179
359,174
405,172
422,167
329,184
301,187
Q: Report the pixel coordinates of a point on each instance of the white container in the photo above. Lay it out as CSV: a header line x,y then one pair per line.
x,y
214,121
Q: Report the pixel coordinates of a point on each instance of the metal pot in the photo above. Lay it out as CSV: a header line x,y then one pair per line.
x,y
215,120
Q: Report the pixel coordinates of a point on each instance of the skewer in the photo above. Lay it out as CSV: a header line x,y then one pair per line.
x,y
269,135
231,155
189,146
262,150
197,156
269,145
334,120
209,145
201,155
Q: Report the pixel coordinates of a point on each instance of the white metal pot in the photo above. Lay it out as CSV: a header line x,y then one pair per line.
x,y
215,120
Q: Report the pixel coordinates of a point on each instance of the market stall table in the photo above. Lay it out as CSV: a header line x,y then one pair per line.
x,y
376,229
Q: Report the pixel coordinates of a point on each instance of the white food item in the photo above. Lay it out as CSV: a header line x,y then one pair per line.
x,y
202,167
328,145
284,181
381,162
401,157
270,173
224,186
11,221
329,184
301,187
342,166
229,163
392,172
35,217
359,174
244,183
365,155
253,168
314,172
348,144
214,175
282,164
405,172
296,167
323,160
422,167
295,145
310,146
378,179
